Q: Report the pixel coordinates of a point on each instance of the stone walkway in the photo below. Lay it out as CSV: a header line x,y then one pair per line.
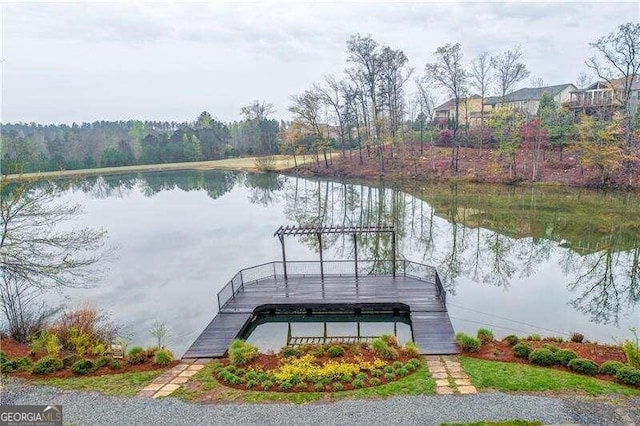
x,y
166,383
449,376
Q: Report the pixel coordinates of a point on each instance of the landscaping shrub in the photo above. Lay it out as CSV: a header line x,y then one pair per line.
x,y
564,356
44,341
83,366
251,383
631,349
397,364
534,337
584,366
286,385
103,361
611,368
402,372
98,349
335,351
522,350
390,339
79,341
412,364
543,357
47,365
87,321
374,381
485,335
163,357
338,387
69,360
3,357
345,378
629,376
318,352
151,352
357,383
136,355
381,347
577,337
552,348
23,363
390,376
241,352
411,349
9,366
557,339
288,351
512,340
319,386
377,373
267,384
467,343
115,365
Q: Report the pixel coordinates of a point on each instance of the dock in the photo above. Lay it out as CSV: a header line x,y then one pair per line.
x,y
331,286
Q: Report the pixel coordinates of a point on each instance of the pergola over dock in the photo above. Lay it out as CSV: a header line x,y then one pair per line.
x,y
318,231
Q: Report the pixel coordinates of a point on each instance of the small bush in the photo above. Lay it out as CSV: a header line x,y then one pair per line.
x,y
390,376
286,385
631,349
552,348
390,339
241,352
83,366
318,352
557,339
151,352
402,372
357,383
163,357
319,386
103,361
3,357
577,337
411,349
388,369
467,343
345,378
70,359
512,340
534,337
377,373
611,368
374,381
584,366
543,357
23,363
383,349
412,364
251,384
338,387
629,376
115,365
397,364
136,355
47,365
267,384
485,335
289,351
9,366
78,340
335,351
564,356
522,350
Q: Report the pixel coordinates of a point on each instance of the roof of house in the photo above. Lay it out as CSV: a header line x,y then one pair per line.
x,y
618,82
528,93
451,103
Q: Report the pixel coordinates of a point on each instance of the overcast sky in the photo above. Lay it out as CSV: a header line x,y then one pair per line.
x,y
79,62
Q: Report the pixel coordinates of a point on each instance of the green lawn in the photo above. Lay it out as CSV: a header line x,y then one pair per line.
x,y
204,386
506,376
125,384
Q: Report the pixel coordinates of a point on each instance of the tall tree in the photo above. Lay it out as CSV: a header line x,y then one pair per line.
x,y
448,72
331,94
425,103
395,74
618,58
306,109
364,54
509,71
481,78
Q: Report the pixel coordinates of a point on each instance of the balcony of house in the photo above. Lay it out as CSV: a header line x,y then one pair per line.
x,y
595,98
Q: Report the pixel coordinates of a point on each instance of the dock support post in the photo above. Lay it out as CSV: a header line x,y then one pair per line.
x,y
284,256
393,252
355,246
321,265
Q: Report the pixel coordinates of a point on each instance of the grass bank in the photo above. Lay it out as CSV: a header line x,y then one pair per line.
x,y
511,377
204,387
247,164
125,384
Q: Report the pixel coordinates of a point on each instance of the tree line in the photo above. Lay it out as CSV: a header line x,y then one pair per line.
x,y
31,147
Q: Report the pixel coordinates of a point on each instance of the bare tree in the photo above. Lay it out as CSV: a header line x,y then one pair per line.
x,y
257,110
537,82
481,79
618,58
583,80
394,75
365,55
425,103
508,70
307,111
447,72
37,255
332,95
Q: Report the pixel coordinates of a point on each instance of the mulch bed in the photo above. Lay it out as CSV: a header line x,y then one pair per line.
x,y
501,351
16,350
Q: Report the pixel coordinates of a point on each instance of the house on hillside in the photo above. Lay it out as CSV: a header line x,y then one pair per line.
x,y
469,109
603,99
527,100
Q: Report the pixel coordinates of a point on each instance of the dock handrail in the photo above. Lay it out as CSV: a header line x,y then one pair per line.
x,y
335,268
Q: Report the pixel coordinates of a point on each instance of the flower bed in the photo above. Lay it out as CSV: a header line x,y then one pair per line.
x,y
318,368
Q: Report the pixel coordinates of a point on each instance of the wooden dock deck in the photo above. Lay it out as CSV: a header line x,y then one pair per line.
x,y
413,289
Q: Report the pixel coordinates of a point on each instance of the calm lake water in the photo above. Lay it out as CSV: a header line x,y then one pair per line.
x,y
516,260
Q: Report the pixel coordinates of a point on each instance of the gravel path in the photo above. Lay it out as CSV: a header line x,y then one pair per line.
x,y
84,408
